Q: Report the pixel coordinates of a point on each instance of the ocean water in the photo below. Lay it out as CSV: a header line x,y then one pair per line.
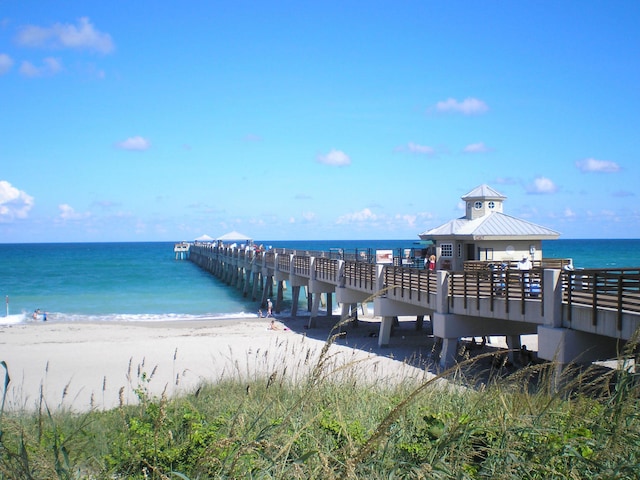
x,y
144,281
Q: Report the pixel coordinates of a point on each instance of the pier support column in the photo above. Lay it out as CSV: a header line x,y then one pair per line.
x,y
247,282
354,314
514,344
314,311
265,291
329,304
384,336
449,352
279,296
295,293
344,312
256,280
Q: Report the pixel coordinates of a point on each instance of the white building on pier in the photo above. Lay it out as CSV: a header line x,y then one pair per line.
x,y
485,233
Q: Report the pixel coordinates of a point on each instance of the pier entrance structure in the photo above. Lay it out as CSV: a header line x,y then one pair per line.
x,y
486,234
578,315
486,239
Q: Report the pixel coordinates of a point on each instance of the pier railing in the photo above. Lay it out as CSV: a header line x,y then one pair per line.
x,y
523,285
302,265
360,275
327,270
410,283
617,290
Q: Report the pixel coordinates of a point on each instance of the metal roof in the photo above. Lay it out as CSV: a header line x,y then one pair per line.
x,y
483,191
495,225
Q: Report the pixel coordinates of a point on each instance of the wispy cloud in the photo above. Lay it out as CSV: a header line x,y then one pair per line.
x,y
416,148
407,219
506,181
50,66
336,158
14,203
363,215
134,143
67,212
600,166
479,147
542,185
82,36
6,62
308,216
468,106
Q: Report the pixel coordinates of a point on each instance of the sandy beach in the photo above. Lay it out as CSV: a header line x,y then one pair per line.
x,y
79,366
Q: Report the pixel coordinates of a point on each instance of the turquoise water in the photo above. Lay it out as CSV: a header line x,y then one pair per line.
x,y
143,281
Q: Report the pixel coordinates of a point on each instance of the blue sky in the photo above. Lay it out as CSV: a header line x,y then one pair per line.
x,y
138,121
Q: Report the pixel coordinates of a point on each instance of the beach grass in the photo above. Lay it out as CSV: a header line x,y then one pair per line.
x,y
323,419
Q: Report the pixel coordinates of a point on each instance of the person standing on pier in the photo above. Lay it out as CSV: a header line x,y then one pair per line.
x,y
524,265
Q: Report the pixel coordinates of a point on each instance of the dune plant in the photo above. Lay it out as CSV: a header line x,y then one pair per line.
x,y
329,423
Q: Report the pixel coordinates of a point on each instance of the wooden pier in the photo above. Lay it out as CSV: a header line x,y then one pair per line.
x,y
579,316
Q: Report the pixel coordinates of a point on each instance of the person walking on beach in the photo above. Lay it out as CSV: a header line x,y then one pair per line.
x,y
269,308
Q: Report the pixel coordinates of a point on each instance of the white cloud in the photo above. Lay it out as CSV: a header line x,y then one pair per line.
x,y
416,148
479,147
357,217
568,213
67,212
6,62
468,106
82,36
594,165
335,158
135,143
506,181
407,219
50,66
542,185
14,203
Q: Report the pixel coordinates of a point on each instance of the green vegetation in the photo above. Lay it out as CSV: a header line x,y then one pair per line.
x,y
321,428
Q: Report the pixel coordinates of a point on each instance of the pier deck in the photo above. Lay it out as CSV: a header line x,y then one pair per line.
x,y
582,315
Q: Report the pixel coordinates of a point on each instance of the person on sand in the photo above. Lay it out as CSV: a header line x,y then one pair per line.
x,y
274,326
269,308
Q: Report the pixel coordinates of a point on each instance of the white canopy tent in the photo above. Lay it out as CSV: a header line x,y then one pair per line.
x,y
235,237
204,238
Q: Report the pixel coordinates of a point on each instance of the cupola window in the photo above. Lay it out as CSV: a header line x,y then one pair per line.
x,y
477,205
